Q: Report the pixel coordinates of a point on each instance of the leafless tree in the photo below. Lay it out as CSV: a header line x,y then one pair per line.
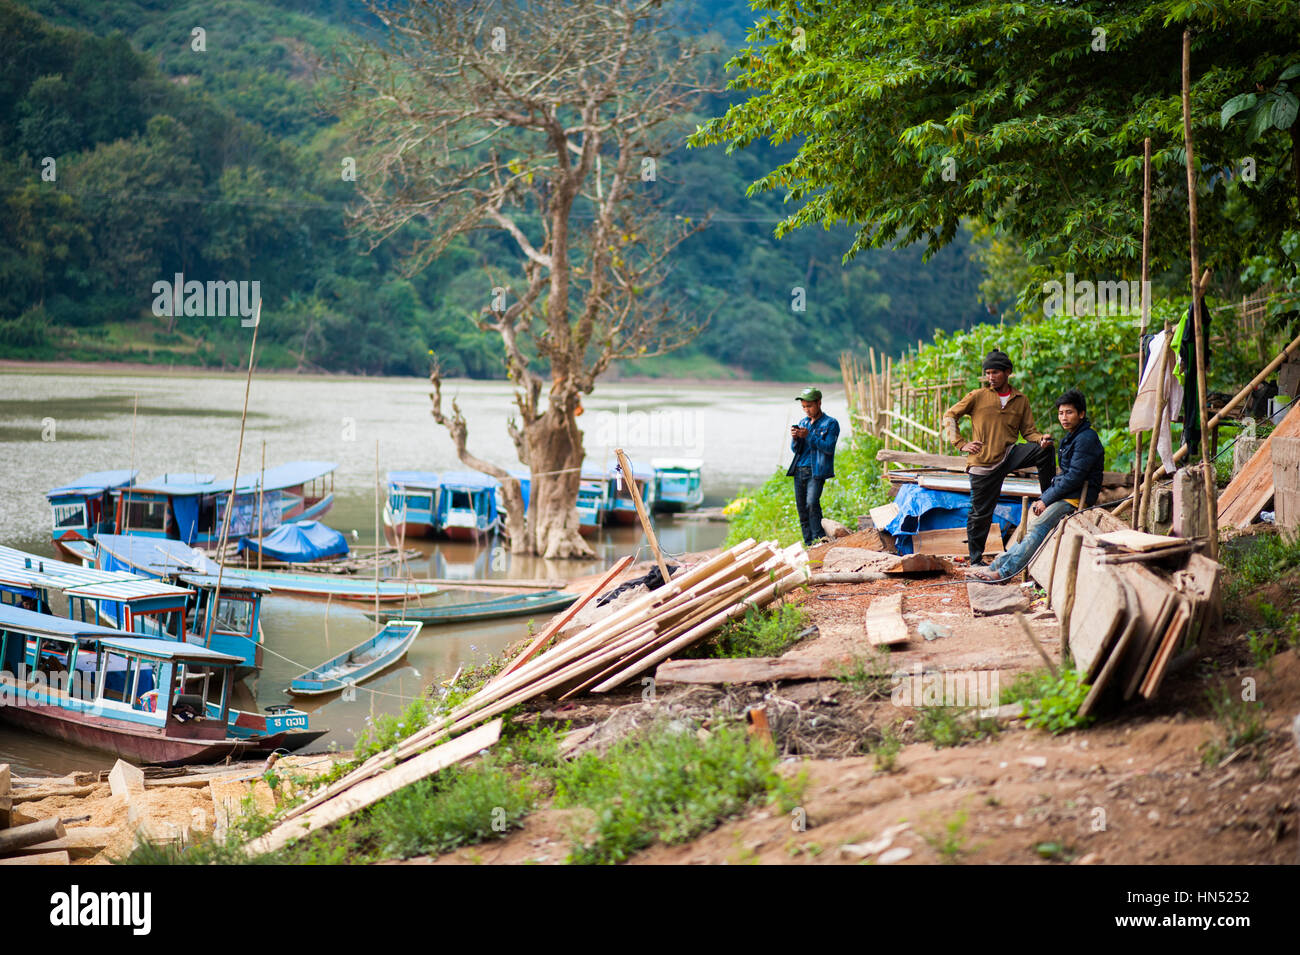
x,y
544,120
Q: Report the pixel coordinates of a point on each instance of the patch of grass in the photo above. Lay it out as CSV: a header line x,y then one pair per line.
x,y
457,807
870,676
951,842
1054,851
1241,722
1250,562
770,512
886,750
1051,703
387,731
945,726
762,633
668,785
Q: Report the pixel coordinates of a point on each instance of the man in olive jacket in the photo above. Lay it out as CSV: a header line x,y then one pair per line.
x,y
1000,415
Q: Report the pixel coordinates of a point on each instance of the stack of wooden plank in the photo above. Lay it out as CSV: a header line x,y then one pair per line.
x,y
1128,620
1249,492
606,654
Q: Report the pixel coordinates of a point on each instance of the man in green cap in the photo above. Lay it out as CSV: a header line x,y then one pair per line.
x,y
813,442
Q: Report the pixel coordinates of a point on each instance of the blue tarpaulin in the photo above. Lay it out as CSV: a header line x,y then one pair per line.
x,y
298,542
921,509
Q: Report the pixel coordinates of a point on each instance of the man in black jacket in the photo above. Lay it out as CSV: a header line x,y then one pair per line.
x,y
1082,456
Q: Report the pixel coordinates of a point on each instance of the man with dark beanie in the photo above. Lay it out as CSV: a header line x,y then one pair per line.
x,y
999,415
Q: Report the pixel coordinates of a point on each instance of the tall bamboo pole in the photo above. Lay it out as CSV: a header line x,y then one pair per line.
x,y
1198,291
230,502
1146,319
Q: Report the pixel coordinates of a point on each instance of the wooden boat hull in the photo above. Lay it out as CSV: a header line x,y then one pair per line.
x,y
178,745
468,534
623,516
496,608
338,586
330,680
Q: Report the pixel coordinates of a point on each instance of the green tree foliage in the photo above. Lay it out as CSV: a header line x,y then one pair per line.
x,y
913,116
219,164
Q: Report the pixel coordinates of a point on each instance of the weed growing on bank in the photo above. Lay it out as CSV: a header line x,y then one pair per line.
x,y
761,633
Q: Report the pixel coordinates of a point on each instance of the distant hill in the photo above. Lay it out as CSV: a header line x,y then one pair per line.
x,y
217,164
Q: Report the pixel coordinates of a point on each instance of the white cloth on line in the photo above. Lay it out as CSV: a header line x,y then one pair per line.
x,y
1143,416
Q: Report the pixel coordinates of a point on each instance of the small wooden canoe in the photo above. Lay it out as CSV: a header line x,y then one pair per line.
x,y
365,660
512,605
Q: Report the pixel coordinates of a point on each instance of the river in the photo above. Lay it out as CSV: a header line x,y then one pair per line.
x,y
56,425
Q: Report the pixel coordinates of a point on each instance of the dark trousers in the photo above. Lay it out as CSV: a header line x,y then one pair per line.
x,y
986,488
808,501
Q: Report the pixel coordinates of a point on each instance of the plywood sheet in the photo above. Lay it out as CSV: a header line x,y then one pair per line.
x,y
885,623
1243,499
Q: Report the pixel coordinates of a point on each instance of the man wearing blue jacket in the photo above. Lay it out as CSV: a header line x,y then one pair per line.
x,y
813,442
1082,457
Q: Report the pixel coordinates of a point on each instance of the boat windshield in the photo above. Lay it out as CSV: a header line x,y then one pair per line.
x,y
146,514
234,615
70,515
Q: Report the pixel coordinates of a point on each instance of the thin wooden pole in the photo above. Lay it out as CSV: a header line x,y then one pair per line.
x,y
1198,292
629,480
234,484
1146,318
376,532
261,501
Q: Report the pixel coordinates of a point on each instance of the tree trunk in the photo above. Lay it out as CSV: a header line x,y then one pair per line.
x,y
555,455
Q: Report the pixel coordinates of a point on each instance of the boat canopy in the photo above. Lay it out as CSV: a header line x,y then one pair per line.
x,y
298,542
47,625
274,479
127,590
152,556
168,650
467,481
21,569
228,582
96,482
415,480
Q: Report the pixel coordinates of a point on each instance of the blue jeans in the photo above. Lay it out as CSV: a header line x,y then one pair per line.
x,y
1017,557
808,501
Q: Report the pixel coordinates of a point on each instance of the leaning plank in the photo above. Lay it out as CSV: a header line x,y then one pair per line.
x,y
1248,493
882,515
30,834
80,841
1098,614
1177,628
750,670
559,622
1135,670
885,623
44,858
372,790
988,599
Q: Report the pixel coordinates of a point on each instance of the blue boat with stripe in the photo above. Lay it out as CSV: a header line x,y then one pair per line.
x,y
467,505
351,667
411,505
84,508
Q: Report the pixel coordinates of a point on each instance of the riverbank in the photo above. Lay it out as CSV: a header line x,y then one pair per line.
x,y
839,768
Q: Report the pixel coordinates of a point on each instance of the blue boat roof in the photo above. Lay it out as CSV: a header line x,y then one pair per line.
x,y
44,624
285,475
31,571
425,480
468,480
228,582
96,482
167,649
159,556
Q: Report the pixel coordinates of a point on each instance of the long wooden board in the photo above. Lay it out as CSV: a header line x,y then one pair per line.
x,y
370,791
951,541
1248,493
750,670
885,623
952,462
1173,636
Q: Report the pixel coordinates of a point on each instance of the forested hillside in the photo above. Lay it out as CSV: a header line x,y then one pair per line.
x,y
225,164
